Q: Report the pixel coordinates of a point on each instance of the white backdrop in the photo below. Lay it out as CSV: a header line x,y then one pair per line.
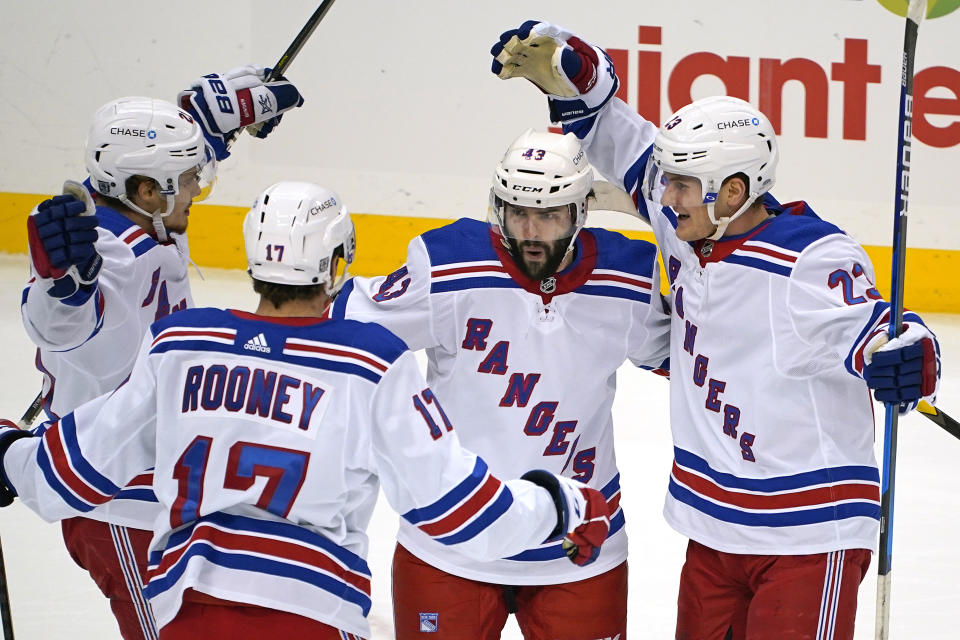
x,y
403,117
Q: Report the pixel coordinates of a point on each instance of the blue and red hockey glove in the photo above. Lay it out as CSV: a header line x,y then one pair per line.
x,y
62,235
904,370
224,102
583,517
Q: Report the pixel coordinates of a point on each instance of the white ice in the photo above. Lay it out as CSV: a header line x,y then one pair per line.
x,y
52,598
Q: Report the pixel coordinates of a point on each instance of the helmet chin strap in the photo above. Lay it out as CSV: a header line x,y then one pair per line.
x,y
156,217
725,221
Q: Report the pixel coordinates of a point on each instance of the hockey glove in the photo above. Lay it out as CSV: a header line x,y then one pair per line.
x,y
904,370
8,434
583,517
578,78
62,235
224,103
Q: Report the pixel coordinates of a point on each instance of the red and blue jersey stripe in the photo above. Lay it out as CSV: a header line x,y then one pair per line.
x,y
269,547
66,470
811,497
466,510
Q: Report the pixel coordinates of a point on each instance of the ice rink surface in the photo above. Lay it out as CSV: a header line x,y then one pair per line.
x,y
52,598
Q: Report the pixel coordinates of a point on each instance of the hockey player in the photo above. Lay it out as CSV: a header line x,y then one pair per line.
x,y
107,264
525,320
776,323
270,433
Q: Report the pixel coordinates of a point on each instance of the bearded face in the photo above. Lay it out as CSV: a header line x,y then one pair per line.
x,y
539,238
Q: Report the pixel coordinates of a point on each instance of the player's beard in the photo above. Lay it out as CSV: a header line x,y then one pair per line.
x,y
553,254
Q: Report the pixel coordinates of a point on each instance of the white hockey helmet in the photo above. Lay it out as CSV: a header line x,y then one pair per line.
x,y
297,233
712,139
542,169
138,136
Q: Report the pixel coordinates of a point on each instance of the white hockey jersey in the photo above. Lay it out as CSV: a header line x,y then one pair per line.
x,y
528,377
89,349
269,436
772,423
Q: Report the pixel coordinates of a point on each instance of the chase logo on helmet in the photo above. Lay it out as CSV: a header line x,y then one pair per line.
x,y
743,122
323,206
136,133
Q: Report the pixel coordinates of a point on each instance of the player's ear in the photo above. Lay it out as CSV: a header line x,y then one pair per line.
x,y
146,191
735,190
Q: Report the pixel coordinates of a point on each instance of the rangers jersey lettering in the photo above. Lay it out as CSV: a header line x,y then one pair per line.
x,y
268,463
527,375
772,422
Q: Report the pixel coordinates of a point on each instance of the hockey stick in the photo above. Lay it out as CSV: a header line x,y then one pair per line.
x,y
939,418
300,40
6,616
916,10
6,619
26,420
284,62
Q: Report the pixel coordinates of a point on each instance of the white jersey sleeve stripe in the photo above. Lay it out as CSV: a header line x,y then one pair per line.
x,y
492,511
466,510
451,499
66,471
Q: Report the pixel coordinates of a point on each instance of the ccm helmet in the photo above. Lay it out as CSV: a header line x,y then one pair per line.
x,y
542,169
138,136
712,139
297,233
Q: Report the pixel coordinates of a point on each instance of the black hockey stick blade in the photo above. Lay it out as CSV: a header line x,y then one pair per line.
x,y
26,420
941,419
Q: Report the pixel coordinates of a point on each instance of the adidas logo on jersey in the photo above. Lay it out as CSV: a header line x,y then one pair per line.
x,y
257,343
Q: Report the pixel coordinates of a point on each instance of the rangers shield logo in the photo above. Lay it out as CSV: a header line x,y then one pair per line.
x,y
429,622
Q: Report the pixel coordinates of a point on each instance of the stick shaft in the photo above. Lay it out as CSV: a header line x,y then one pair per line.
x,y
284,62
300,40
915,14
6,618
